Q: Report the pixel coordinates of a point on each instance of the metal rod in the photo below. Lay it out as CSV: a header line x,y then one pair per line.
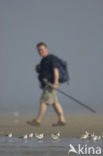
x,y
77,101
72,98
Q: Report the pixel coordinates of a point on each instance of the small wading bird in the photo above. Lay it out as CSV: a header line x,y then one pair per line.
x,y
55,136
86,135
99,137
10,135
92,136
31,135
24,136
102,136
39,136
96,138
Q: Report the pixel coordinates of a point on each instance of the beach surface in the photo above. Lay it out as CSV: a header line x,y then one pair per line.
x,y
76,125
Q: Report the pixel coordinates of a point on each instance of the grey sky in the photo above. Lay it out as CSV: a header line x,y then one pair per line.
x,y
73,30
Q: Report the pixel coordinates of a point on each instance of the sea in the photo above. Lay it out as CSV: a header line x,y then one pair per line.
x,y
48,147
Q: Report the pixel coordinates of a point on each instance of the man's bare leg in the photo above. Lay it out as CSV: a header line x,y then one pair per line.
x,y
36,121
57,107
42,110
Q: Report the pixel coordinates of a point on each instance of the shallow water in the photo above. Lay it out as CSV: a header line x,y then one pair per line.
x,y
46,147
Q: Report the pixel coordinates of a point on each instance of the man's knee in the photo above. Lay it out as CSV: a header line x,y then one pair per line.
x,y
56,105
42,103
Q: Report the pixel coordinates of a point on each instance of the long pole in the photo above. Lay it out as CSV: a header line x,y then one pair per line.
x,y
77,101
72,98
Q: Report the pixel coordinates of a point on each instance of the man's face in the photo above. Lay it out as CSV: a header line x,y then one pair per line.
x,y
43,51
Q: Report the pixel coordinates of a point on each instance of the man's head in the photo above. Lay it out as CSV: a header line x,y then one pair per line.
x,y
42,49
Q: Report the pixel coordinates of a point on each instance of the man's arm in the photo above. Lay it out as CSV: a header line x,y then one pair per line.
x,y
56,78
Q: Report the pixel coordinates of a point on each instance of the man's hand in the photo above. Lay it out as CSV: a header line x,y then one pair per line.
x,y
54,86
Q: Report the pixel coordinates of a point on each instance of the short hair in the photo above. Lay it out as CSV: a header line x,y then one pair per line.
x,y
40,44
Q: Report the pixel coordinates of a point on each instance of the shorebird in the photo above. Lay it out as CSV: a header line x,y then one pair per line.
x,y
10,135
86,135
99,137
55,136
31,135
95,138
91,136
24,136
102,136
39,136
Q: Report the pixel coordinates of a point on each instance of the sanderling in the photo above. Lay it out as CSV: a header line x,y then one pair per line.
x,y
24,136
39,136
95,138
31,135
55,136
10,135
86,135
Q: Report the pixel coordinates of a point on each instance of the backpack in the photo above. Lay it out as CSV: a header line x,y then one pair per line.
x,y
63,70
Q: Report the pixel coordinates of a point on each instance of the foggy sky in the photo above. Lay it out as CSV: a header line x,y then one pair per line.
x,y
72,29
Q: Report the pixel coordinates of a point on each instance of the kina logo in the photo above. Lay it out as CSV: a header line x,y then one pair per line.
x,y
84,149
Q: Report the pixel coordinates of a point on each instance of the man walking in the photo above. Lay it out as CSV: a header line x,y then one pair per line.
x,y
48,69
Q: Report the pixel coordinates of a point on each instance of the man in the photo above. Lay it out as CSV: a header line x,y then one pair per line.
x,y
48,70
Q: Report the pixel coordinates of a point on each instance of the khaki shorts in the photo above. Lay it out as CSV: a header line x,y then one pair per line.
x,y
49,95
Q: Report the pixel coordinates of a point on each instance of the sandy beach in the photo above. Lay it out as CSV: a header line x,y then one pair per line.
x,y
76,125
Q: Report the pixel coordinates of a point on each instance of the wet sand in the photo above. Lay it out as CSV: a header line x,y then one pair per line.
x,y
76,125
